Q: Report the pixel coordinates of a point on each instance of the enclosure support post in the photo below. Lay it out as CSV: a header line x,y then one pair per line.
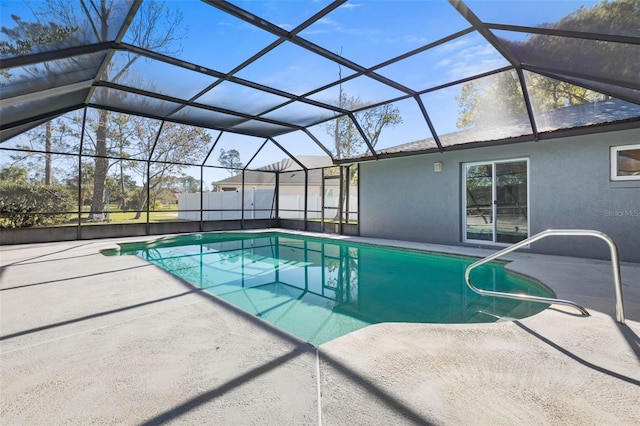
x,y
84,122
340,199
322,203
277,195
148,194
242,203
358,198
347,184
201,198
306,197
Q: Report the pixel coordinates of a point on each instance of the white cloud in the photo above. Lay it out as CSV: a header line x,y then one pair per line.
x,y
454,45
469,59
327,21
464,69
350,6
323,26
475,51
413,39
318,31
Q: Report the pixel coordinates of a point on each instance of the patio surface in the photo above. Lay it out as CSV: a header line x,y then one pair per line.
x,y
90,339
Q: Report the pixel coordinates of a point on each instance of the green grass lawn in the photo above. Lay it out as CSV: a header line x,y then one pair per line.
x,y
130,217
167,213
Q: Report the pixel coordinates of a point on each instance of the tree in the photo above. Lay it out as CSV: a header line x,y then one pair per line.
x,y
177,145
121,198
13,173
148,32
85,174
24,204
481,100
347,140
42,142
31,37
36,152
230,159
187,184
484,101
155,27
607,59
120,137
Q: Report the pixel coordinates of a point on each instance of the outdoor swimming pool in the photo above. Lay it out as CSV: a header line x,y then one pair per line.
x,y
319,289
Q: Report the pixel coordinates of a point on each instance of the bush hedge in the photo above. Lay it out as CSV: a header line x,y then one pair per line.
x,y
24,205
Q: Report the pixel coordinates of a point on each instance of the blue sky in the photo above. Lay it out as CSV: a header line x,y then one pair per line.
x,y
366,32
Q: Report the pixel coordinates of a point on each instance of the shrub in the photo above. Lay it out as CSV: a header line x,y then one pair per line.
x,y
23,205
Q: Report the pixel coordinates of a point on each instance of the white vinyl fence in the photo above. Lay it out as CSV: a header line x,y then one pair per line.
x,y
289,203
258,204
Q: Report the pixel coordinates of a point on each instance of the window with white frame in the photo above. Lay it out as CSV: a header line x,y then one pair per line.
x,y
625,162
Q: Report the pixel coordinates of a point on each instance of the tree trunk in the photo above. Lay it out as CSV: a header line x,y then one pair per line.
x,y
142,202
48,173
341,194
102,165
123,190
336,139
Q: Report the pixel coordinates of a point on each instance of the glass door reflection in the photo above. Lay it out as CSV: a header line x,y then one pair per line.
x,y
511,202
479,193
496,206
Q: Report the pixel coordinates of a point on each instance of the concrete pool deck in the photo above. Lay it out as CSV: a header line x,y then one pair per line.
x,y
91,339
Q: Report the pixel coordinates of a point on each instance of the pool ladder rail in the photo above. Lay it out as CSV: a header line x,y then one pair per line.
x,y
615,263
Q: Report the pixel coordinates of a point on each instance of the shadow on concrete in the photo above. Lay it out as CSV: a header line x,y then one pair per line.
x,y
38,262
219,391
300,347
577,358
92,316
3,268
78,277
18,262
631,337
381,396
566,310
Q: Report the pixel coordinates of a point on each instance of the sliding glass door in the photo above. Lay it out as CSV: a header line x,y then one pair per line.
x,y
496,207
479,205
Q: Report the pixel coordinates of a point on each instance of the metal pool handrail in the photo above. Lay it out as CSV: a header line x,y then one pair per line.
x,y
615,263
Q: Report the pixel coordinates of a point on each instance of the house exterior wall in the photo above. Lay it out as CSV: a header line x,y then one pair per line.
x,y
569,187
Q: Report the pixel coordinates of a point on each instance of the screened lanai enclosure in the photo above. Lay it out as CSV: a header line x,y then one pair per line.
x,y
146,117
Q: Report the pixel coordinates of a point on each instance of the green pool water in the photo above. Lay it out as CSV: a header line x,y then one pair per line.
x,y
320,289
